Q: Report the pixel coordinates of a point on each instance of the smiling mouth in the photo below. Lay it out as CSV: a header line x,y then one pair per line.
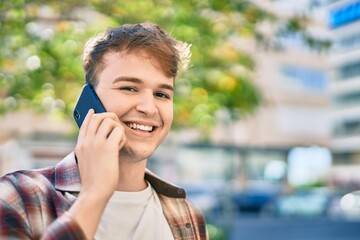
x,y
140,127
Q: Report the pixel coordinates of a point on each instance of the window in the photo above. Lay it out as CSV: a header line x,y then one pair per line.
x,y
349,70
306,78
345,15
347,43
347,99
347,128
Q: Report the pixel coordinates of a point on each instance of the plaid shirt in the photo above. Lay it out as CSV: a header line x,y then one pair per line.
x,y
33,203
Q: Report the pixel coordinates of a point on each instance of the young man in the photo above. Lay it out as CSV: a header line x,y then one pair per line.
x,y
103,190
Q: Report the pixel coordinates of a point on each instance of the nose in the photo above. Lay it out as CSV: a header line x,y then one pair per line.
x,y
147,105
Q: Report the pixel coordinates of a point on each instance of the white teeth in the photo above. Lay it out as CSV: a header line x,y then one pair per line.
x,y
140,127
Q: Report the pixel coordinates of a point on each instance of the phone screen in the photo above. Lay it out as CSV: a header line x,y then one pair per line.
x,y
88,100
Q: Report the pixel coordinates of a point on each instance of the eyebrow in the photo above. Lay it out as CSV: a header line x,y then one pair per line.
x,y
139,81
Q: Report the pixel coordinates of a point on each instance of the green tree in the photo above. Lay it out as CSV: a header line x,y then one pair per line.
x,y
41,44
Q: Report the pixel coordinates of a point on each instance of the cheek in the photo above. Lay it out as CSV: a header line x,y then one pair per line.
x,y
105,99
168,116
114,103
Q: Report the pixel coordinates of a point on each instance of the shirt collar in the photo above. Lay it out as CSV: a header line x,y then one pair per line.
x,y
67,179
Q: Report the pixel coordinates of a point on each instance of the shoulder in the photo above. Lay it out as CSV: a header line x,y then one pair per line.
x,y
29,176
164,187
21,184
183,217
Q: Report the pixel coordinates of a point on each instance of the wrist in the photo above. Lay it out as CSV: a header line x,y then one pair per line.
x,y
87,211
91,197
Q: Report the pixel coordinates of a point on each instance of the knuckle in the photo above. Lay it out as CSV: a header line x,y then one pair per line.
x,y
108,121
112,114
96,116
120,127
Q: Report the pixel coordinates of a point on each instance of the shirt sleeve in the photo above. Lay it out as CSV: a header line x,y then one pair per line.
x,y
64,228
13,226
31,209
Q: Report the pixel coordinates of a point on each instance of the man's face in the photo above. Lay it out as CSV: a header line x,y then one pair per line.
x,y
141,96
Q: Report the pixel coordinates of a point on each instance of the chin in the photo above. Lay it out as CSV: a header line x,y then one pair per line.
x,y
138,154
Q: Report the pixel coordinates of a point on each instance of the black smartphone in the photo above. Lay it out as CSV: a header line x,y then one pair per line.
x,y
88,99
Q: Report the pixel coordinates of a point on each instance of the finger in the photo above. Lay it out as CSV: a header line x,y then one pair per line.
x,y
117,136
85,125
97,120
110,115
105,128
94,124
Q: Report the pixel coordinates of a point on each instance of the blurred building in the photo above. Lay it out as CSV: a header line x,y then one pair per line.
x,y
295,111
344,22
29,140
255,150
251,159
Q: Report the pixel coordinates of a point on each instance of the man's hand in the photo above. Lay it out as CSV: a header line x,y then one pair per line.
x,y
100,138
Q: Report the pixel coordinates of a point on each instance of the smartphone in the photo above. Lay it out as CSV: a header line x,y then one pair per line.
x,y
88,100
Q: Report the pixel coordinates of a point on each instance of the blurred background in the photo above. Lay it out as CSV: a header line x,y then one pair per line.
x,y
266,137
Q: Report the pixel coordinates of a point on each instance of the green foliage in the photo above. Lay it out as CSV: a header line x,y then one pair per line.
x,y
41,44
217,232
40,59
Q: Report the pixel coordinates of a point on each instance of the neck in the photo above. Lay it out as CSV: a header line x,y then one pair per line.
x,y
132,177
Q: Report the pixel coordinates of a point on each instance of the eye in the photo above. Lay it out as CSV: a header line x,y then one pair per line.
x,y
129,89
162,95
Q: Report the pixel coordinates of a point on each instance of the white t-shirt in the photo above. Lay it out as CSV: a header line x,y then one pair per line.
x,y
135,216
